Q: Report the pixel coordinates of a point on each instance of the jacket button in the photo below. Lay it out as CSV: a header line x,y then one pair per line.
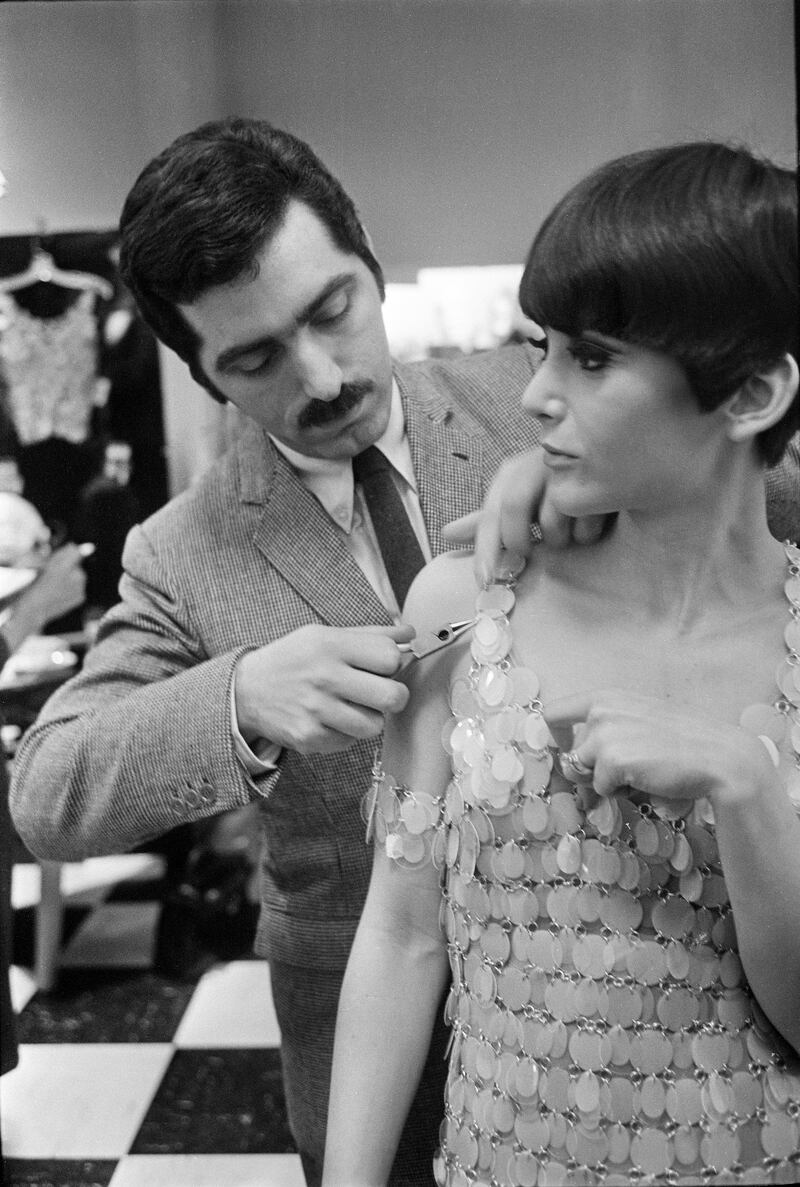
x,y
208,793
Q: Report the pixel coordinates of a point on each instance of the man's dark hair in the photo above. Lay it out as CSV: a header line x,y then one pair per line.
x,y
201,212
690,250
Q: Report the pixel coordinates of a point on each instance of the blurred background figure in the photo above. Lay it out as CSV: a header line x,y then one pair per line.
x,y
24,536
36,587
10,477
108,509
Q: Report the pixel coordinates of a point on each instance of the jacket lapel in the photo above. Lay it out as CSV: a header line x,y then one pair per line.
x,y
448,461
299,539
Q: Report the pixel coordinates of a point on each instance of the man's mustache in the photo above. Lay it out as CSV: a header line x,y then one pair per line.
x,y
322,412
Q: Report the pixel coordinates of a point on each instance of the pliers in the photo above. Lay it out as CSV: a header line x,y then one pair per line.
x,y
431,641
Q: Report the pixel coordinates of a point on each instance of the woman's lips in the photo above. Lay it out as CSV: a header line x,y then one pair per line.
x,y
555,456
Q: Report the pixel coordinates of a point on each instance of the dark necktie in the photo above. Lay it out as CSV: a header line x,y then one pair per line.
x,y
399,546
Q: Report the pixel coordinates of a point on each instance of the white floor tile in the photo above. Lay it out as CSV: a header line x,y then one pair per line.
x,y
209,1170
79,1100
231,1007
23,986
115,935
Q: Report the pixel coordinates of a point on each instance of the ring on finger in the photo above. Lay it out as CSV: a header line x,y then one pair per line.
x,y
577,764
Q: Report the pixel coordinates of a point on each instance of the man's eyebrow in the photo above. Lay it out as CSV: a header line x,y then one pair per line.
x,y
269,341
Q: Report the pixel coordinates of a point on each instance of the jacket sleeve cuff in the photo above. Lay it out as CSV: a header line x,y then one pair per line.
x,y
262,757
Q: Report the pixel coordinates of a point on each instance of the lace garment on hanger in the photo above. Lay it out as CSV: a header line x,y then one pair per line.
x,y
49,367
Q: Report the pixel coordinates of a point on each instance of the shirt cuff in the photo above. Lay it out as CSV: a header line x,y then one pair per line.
x,y
262,758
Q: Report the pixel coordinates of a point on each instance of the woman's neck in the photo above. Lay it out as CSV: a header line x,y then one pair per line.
x,y
686,566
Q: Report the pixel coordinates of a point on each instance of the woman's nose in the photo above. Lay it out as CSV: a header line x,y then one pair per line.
x,y
540,398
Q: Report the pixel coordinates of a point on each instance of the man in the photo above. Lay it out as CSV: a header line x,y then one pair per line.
x,y
255,652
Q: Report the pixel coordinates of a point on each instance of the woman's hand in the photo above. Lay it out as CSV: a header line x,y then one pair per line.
x,y
516,502
678,755
619,740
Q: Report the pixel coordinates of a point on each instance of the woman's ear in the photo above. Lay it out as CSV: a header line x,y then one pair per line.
x,y
762,400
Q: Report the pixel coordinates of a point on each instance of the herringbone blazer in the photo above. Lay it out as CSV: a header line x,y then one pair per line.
x,y
141,741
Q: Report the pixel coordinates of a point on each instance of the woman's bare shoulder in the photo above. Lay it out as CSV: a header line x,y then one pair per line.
x,y
444,591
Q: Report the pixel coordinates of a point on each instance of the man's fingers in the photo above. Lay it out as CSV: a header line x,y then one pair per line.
x,y
372,693
401,632
354,721
323,741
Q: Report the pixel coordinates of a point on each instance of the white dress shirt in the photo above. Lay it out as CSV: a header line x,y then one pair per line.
x,y
332,484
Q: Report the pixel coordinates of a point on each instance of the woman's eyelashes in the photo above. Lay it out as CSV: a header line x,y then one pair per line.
x,y
590,356
587,353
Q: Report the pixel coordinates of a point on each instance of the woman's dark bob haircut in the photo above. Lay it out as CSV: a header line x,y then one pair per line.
x,y
690,250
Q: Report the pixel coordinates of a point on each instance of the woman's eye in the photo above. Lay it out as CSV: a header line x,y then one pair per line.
x,y
589,357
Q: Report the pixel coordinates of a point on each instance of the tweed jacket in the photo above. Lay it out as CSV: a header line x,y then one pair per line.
x,y
140,740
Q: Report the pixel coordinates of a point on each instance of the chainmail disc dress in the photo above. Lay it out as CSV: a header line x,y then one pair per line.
x,y
603,1029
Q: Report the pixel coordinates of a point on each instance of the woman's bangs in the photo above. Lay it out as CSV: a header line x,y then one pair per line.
x,y
568,283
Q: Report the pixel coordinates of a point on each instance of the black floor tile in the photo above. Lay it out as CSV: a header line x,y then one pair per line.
x,y
30,1172
91,1005
218,1101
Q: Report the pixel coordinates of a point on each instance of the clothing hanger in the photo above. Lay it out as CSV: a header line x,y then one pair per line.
x,y
43,269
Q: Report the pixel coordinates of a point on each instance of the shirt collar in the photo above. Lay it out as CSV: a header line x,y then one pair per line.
x,y
330,480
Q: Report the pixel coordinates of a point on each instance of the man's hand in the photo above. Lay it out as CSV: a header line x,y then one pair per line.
x,y
517,500
321,689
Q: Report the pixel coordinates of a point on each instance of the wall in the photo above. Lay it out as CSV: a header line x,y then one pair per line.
x,y
454,123
88,93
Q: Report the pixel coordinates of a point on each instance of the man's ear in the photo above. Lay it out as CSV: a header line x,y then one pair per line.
x,y
762,400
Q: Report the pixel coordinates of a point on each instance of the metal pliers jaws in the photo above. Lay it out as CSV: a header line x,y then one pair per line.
x,y
429,642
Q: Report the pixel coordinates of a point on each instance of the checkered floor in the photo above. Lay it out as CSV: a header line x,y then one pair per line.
x,y
131,1078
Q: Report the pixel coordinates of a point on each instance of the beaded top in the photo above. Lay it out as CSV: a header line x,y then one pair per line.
x,y
603,1028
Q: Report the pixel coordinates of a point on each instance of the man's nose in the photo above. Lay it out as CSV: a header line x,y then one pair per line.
x,y
318,374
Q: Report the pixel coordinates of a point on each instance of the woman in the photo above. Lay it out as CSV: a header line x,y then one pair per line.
x,y
607,844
